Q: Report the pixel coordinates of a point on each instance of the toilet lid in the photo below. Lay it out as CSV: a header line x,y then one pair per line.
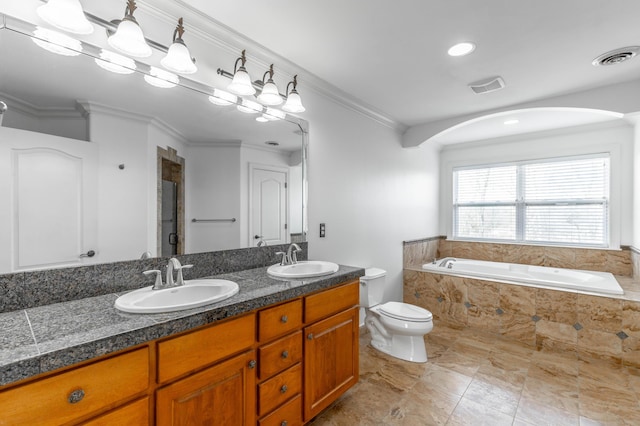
x,y
405,311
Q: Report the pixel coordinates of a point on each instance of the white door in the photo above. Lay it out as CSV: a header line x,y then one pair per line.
x,y
48,216
268,205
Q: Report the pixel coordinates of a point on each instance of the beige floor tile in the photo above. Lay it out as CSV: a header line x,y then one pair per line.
x,y
482,379
462,363
426,406
472,413
494,395
558,394
446,380
534,412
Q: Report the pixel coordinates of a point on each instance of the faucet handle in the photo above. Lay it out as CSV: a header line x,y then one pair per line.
x,y
158,283
180,280
294,256
284,257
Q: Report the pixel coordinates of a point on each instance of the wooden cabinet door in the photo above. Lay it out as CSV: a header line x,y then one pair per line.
x,y
330,360
224,394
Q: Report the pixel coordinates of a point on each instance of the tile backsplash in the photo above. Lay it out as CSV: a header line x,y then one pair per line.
x,y
618,262
24,290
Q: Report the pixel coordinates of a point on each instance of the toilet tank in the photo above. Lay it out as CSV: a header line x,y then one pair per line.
x,y
372,286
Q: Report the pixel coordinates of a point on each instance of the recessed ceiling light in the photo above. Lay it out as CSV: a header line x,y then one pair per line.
x,y
511,122
461,49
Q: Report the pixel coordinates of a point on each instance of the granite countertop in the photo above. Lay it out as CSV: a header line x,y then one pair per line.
x,y
45,338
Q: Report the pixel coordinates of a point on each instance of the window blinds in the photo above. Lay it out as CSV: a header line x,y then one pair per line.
x,y
553,201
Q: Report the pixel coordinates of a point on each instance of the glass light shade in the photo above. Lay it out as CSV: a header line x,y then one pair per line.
x,y
178,59
128,39
55,42
241,83
461,49
249,107
66,15
115,63
220,97
161,78
262,119
294,103
270,94
273,114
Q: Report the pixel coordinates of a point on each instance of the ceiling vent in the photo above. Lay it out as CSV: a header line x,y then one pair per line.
x,y
486,86
617,56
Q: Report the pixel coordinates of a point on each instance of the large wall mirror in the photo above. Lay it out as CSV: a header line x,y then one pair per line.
x,y
97,166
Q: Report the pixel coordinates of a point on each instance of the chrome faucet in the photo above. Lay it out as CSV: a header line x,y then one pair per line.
x,y
291,253
173,265
290,257
447,262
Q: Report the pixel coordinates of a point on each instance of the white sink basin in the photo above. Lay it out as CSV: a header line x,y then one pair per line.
x,y
192,294
303,269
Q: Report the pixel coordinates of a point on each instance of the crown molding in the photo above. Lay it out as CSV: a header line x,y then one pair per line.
x,y
209,30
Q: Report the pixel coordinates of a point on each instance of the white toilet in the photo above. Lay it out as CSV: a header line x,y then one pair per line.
x,y
396,328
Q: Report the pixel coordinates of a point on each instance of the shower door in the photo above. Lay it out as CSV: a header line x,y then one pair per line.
x,y
169,237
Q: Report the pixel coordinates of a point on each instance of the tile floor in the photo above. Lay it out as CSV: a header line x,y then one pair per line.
x,y
473,378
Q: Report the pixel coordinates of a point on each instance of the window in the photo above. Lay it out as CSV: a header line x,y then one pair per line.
x,y
552,201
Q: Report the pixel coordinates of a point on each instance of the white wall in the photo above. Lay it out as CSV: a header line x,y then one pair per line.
x,y
636,183
371,193
615,139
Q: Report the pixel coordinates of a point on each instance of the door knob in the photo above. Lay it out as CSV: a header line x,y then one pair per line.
x,y
257,237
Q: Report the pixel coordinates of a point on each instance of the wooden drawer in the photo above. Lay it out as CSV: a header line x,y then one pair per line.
x,y
332,301
134,414
279,355
195,350
78,392
279,320
290,414
279,389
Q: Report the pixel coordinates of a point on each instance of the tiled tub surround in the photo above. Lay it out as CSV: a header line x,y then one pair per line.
x,y
590,326
44,338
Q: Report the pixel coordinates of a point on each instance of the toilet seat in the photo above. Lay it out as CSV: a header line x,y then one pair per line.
x,y
405,312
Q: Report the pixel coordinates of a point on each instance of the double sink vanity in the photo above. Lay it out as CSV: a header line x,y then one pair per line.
x,y
272,345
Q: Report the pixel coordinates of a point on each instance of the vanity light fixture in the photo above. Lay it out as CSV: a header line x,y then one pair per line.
x,y
128,38
160,78
241,83
116,63
222,98
294,102
262,119
56,42
273,114
178,58
66,15
249,107
269,94
461,49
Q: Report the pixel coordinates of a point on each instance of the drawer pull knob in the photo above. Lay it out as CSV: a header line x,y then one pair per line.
x,y
284,319
252,363
285,354
75,396
283,389
284,423
310,336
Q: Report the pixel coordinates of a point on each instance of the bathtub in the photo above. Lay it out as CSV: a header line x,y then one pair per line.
x,y
528,275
